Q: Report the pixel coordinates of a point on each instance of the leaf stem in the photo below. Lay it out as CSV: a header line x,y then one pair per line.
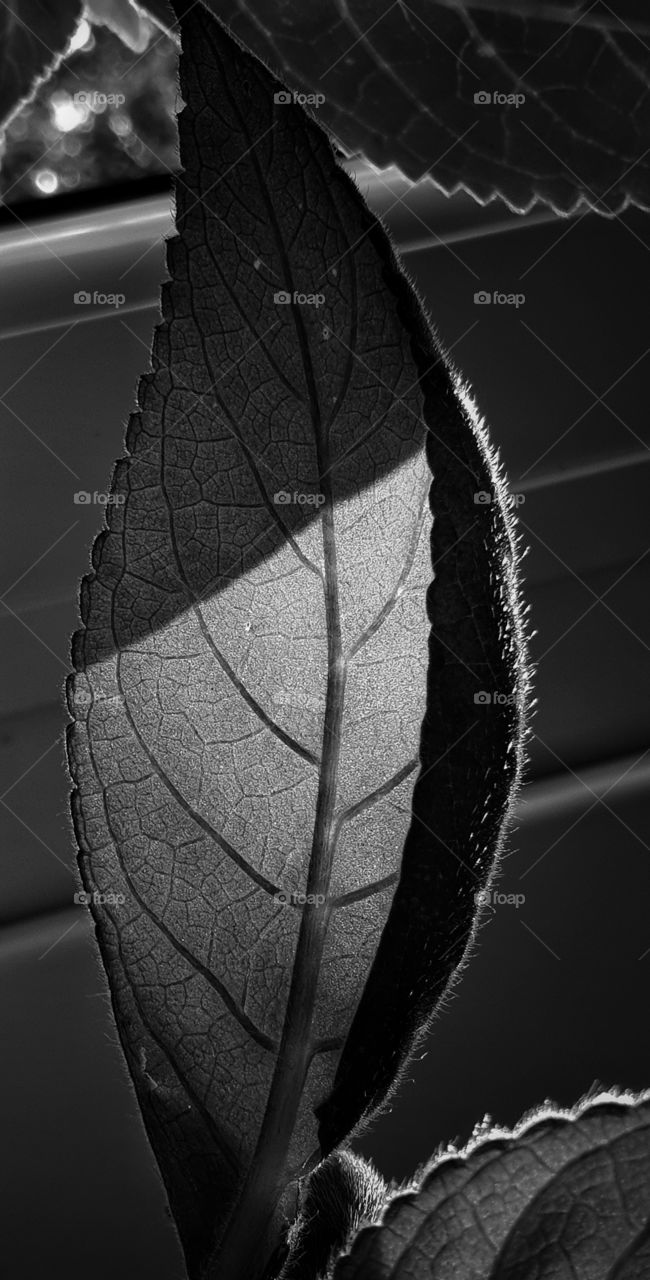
x,y
251,1235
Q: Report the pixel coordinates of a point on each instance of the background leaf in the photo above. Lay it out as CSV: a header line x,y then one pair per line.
x,y
34,36
252,671
126,20
400,80
564,1195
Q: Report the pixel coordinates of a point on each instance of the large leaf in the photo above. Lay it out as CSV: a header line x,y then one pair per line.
x,y
252,673
398,83
34,37
563,1197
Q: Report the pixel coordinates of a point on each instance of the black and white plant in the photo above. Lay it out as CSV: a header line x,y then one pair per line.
x,y
287,801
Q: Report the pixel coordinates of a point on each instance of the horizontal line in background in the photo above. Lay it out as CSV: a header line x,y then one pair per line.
x,y
599,467
559,793
85,318
19,939
538,218
76,234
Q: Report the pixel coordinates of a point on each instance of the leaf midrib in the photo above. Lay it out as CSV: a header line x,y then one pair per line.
x,y
241,1249
240,1246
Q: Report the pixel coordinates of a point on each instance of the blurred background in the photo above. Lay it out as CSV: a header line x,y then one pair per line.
x,y
553,1001
57,144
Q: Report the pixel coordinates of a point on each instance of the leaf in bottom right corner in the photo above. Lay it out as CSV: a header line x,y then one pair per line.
x,y
565,1196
